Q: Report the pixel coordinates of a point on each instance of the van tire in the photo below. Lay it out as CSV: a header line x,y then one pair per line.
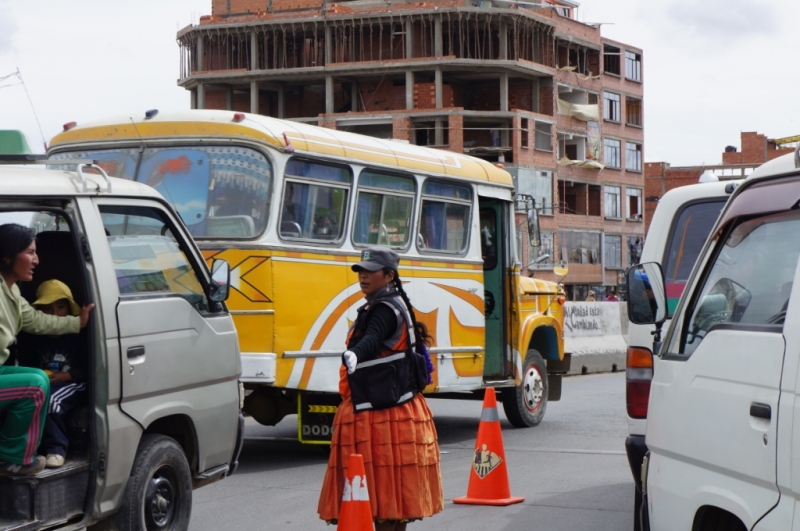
x,y
526,403
159,491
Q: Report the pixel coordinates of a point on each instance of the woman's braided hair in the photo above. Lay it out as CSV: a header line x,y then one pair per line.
x,y
420,329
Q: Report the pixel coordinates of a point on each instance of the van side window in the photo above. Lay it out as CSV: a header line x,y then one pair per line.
x,y
445,220
688,236
750,279
314,201
148,260
383,212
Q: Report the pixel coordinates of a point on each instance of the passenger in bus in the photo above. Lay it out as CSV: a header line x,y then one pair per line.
x,y
60,357
383,415
24,391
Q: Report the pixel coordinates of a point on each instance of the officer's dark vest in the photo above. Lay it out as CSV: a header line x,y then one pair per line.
x,y
395,374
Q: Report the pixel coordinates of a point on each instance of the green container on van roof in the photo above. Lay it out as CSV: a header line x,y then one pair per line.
x,y
13,142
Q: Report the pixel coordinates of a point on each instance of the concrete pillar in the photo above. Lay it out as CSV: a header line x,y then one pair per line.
x,y
503,40
229,99
253,51
254,97
328,94
535,95
198,62
504,92
438,48
438,86
193,99
409,89
328,45
409,38
354,96
438,134
201,96
281,102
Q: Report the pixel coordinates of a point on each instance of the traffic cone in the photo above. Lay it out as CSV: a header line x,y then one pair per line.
x,y
356,512
488,481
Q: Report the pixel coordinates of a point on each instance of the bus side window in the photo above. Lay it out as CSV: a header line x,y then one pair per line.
x,y
445,219
383,210
314,201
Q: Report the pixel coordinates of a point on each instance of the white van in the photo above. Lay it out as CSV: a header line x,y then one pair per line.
x,y
681,223
162,413
721,436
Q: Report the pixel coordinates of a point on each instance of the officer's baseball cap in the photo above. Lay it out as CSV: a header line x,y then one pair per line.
x,y
377,258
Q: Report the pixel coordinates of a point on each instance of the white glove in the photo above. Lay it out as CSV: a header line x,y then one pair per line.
x,y
350,360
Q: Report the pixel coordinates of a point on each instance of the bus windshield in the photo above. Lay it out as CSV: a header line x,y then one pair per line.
x,y
220,192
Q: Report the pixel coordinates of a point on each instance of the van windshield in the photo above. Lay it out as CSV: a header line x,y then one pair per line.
x,y
220,192
686,241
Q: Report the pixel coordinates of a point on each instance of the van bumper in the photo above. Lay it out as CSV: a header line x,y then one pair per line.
x,y
636,449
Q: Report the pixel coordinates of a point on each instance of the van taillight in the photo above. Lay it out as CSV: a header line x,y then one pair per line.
x,y
638,375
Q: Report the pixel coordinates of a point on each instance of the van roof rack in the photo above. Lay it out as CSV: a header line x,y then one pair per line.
x,y
42,159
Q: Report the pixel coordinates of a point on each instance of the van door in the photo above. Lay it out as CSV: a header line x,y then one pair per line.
x,y
493,228
178,349
712,419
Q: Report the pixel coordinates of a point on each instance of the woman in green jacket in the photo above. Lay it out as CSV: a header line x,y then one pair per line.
x,y
24,391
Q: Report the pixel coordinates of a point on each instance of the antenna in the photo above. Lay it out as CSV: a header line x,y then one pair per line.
x,y
135,175
18,74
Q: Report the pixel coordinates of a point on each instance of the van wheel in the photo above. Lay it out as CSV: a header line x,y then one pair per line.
x,y
159,491
525,404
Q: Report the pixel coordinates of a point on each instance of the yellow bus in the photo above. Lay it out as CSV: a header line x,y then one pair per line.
x,y
291,205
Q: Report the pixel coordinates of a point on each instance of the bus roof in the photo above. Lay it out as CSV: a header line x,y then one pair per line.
x,y
304,138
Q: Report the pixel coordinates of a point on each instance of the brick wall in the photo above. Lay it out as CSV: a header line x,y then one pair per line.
x,y
401,128
456,133
756,149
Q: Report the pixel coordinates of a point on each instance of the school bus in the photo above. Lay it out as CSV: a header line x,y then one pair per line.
x,y
291,205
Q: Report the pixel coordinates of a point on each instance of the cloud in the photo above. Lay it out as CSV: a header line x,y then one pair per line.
x,y
8,27
723,22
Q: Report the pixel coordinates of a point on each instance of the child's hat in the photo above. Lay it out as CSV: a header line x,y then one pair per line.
x,y
54,290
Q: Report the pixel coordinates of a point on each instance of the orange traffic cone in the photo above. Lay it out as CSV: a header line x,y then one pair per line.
x,y
488,481
356,512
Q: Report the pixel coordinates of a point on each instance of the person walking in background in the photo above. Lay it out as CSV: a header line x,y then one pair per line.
x,y
612,296
383,415
24,391
590,297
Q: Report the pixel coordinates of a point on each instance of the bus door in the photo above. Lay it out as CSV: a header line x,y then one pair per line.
x,y
493,225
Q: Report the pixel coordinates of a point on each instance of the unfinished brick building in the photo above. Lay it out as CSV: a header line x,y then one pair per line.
x,y
660,177
519,83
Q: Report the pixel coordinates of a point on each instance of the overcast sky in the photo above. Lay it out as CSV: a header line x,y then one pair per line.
x,y
712,68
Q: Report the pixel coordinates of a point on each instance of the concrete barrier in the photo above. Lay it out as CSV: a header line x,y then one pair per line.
x,y
596,333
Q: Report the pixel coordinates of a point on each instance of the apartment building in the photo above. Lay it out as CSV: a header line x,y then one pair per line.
x,y
522,84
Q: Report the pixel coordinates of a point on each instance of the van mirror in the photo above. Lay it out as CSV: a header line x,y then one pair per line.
x,y
647,300
219,289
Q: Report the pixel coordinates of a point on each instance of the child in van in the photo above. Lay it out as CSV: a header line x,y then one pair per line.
x,y
60,358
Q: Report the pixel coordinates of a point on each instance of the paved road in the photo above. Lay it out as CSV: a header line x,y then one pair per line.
x,y
571,469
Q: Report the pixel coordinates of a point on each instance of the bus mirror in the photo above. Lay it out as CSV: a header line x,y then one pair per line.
x,y
533,224
219,289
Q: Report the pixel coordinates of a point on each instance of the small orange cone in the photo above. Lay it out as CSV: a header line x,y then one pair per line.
x,y
488,481
356,512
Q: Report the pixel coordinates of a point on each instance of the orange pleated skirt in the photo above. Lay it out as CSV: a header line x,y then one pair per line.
x,y
401,458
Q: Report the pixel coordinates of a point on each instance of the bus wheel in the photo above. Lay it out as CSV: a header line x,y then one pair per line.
x,y
159,491
525,404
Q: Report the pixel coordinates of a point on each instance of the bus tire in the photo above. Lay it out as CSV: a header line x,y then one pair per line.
x,y
526,403
159,490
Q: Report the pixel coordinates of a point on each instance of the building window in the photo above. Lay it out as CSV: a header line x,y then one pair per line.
x,y
612,202
633,156
635,245
611,62
634,196
592,98
633,111
580,247
537,184
611,107
543,136
523,126
613,252
612,152
633,66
